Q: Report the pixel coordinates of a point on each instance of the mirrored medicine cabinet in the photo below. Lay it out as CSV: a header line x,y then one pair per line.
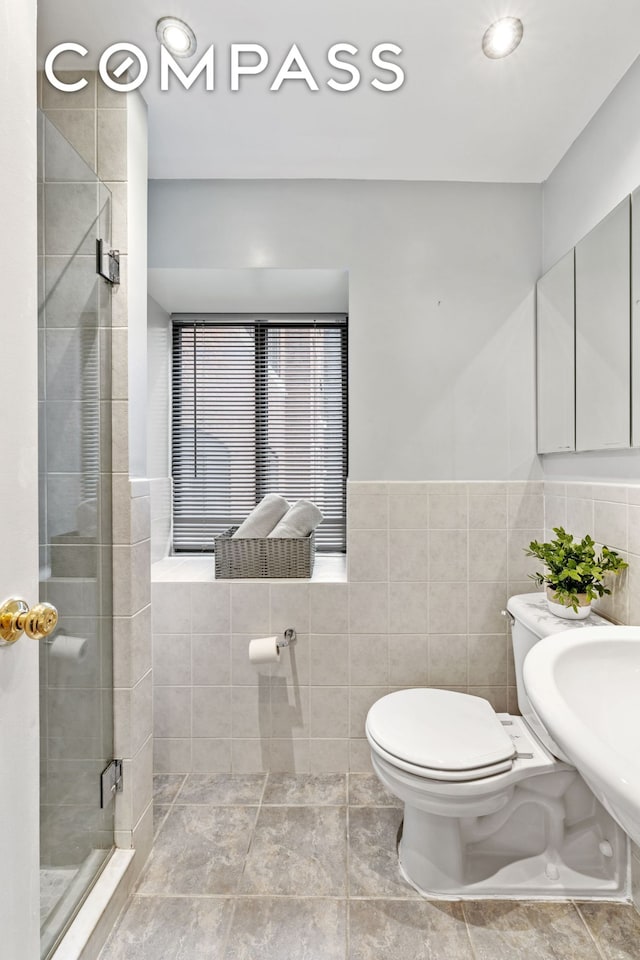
x,y
588,361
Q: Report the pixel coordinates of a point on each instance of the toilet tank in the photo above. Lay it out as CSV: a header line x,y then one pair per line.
x,y
533,621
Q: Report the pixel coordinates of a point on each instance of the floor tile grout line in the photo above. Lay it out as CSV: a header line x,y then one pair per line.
x,y
347,927
361,897
347,858
156,834
264,790
347,909
591,936
467,930
281,896
159,827
270,806
253,833
179,790
251,839
232,915
169,806
219,805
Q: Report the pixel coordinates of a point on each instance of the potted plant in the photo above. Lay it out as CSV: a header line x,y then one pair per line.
x,y
574,575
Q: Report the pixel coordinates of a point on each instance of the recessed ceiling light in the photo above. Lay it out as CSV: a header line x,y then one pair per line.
x,y
177,36
502,38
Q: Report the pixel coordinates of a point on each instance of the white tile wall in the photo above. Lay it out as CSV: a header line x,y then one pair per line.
x,y
430,567
611,515
433,619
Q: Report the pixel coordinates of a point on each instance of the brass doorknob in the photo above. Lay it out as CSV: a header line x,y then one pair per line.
x,y
16,617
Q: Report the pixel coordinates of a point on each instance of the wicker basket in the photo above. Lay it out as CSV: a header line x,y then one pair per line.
x,y
276,557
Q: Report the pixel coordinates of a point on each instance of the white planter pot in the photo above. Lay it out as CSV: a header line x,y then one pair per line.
x,y
568,613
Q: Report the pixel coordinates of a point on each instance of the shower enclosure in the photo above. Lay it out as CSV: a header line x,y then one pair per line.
x,y
76,663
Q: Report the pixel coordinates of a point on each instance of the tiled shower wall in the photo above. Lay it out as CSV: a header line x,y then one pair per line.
x,y
430,567
95,121
74,331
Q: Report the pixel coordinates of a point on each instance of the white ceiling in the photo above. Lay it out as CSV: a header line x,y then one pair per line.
x,y
459,115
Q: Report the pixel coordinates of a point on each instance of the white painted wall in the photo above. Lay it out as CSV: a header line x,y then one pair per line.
x,y
597,172
158,390
137,166
441,310
159,426
19,794
250,290
600,168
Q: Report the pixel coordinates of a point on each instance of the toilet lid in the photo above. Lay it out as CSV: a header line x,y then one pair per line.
x,y
439,729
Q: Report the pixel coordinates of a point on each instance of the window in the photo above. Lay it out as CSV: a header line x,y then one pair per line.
x,y
259,406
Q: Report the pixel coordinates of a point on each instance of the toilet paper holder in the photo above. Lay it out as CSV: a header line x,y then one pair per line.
x,y
289,637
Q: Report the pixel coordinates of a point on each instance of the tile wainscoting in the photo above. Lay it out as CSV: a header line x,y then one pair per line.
x,y
430,567
610,513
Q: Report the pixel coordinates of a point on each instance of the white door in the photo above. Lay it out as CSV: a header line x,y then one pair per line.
x,y
19,734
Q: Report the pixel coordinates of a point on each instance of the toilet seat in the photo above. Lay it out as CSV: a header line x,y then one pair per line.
x,y
440,735
450,776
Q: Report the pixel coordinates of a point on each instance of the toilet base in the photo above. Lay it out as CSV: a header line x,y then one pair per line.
x,y
443,857
527,880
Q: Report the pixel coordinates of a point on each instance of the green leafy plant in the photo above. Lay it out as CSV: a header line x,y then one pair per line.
x,y
572,567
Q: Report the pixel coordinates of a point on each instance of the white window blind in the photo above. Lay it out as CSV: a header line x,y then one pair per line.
x,y
259,406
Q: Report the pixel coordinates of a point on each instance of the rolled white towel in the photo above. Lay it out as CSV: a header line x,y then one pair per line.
x,y
299,521
264,517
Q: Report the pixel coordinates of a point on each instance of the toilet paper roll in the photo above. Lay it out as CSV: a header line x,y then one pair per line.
x,y
69,648
264,650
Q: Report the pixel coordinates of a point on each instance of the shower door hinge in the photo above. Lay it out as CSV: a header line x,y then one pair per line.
x,y
112,257
110,782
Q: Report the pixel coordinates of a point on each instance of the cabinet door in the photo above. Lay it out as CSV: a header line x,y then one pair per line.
x,y
635,318
555,350
603,334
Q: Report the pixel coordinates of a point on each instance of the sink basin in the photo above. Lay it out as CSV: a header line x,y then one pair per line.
x,y
585,687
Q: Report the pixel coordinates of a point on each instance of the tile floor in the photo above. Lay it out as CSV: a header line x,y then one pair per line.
x,y
285,867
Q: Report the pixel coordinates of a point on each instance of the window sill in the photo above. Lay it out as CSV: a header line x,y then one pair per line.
x,y
328,568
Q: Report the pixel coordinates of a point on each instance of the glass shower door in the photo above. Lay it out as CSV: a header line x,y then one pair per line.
x,y
76,663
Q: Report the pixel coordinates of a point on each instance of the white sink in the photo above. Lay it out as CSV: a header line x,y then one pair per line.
x,y
585,687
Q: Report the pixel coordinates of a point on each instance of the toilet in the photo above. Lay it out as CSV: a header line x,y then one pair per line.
x,y
491,806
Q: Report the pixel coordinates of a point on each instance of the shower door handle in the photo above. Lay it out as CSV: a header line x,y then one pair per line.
x,y
16,617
